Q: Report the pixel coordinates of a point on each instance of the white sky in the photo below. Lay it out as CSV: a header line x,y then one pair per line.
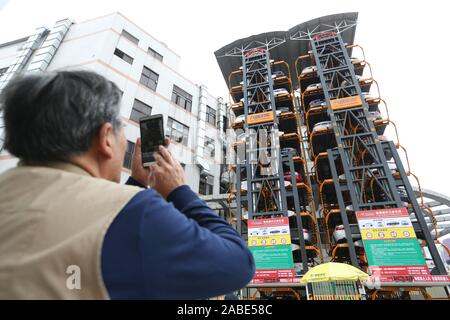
x,y
403,41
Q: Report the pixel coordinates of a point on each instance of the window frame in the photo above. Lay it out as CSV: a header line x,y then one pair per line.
x,y
182,98
184,133
125,57
210,115
158,56
127,35
137,104
147,79
212,142
208,188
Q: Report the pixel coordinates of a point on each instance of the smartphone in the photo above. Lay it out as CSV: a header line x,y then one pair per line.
x,y
152,136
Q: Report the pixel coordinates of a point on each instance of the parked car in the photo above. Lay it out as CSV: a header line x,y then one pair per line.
x,y
355,60
283,109
323,125
313,87
317,103
306,236
239,119
276,74
366,95
308,70
403,194
376,115
358,78
244,185
280,91
288,177
339,234
287,151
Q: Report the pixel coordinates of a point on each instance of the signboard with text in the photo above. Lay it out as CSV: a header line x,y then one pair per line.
x,y
393,251
347,102
269,241
260,117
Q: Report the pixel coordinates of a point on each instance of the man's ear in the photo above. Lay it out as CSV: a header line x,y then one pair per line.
x,y
105,140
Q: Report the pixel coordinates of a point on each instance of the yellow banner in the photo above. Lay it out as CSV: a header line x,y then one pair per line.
x,y
388,233
348,102
260,117
269,240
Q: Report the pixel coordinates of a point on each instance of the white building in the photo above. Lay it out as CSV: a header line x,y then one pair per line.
x,y
146,70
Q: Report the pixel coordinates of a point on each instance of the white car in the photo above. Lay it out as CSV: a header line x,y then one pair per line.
x,y
339,234
354,60
313,87
358,78
279,92
308,70
366,95
239,119
276,74
375,115
244,185
323,125
306,236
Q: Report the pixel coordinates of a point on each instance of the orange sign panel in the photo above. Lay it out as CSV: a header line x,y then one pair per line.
x,y
347,102
260,117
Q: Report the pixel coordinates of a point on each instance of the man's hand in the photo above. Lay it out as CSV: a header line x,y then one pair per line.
x,y
166,174
138,172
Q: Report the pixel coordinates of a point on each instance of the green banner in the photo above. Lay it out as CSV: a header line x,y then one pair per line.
x,y
400,252
273,257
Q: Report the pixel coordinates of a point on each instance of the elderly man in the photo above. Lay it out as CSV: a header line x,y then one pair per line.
x,y
69,230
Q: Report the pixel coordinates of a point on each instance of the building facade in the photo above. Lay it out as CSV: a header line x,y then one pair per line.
x,y
147,72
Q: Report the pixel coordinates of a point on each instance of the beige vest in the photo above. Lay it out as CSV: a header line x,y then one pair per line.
x,y
52,224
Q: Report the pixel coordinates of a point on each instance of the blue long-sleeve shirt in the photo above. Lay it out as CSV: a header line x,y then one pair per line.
x,y
174,249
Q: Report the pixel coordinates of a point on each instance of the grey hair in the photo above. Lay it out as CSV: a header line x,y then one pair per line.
x,y
54,116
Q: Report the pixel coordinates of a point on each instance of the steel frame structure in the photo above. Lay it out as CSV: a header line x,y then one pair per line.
x,y
355,134
264,139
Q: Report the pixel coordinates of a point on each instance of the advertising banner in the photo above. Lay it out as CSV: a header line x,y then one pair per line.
x,y
269,241
393,251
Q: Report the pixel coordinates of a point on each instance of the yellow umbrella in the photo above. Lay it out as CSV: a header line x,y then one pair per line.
x,y
333,271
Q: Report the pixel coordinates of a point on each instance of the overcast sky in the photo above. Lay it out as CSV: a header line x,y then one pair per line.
x,y
403,41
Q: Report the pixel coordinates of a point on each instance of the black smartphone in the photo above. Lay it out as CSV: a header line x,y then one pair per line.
x,y
152,136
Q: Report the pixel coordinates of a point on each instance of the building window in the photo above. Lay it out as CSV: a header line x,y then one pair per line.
x,y
225,124
122,55
224,173
210,148
206,184
182,98
155,54
210,115
140,110
128,155
149,78
177,131
130,37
